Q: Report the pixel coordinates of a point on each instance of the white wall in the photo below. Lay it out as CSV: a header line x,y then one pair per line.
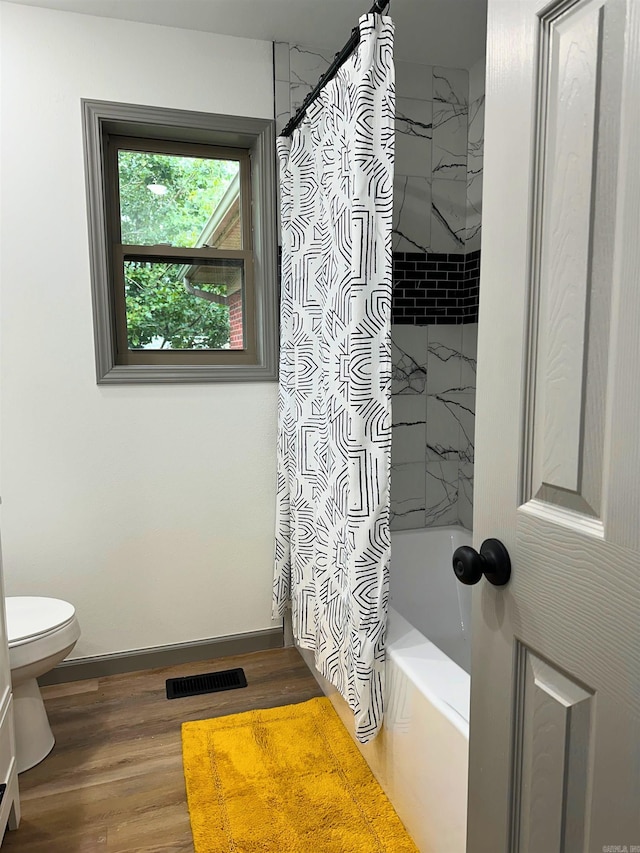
x,y
150,508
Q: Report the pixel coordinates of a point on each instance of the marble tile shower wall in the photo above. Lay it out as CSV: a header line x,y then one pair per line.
x,y
433,387
436,241
432,139
475,156
431,159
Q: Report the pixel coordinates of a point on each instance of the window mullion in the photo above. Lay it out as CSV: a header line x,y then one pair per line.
x,y
164,252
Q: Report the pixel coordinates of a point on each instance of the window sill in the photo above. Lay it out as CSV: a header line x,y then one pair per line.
x,y
131,374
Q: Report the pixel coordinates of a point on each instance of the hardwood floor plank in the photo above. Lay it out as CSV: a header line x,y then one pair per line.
x,y
87,840
114,781
89,685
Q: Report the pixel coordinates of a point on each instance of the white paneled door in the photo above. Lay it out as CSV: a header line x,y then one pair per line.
x,y
555,697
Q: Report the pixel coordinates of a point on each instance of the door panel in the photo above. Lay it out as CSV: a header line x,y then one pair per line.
x,y
555,704
570,53
576,156
552,756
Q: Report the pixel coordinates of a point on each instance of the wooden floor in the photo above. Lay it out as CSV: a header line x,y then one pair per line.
x,y
114,782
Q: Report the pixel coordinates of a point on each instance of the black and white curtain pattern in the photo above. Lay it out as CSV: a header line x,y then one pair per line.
x,y
334,443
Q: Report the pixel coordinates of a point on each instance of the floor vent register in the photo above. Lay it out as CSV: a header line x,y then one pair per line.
x,y
210,682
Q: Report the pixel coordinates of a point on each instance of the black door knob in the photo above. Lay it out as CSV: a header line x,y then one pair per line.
x,y
493,562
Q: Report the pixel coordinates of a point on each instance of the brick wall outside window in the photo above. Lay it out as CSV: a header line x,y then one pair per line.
x,y
235,320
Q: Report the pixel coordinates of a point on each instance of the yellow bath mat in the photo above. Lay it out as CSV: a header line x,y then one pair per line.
x,y
285,780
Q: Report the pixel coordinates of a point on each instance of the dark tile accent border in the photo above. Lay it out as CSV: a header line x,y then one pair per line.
x,y
431,288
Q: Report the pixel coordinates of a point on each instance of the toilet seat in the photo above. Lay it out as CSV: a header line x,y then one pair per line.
x,y
41,632
31,618
38,630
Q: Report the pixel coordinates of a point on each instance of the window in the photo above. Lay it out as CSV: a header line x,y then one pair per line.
x,y
182,242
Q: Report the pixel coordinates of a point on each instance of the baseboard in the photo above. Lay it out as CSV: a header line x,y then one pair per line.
x,y
119,662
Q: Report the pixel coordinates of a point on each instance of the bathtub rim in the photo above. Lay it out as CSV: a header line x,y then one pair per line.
x,y
435,675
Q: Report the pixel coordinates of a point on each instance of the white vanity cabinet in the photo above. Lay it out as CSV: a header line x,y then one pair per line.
x,y
10,802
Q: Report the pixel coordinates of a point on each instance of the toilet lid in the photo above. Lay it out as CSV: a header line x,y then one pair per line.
x,y
30,616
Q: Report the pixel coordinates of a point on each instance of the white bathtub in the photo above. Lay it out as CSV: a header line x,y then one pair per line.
x,y
420,757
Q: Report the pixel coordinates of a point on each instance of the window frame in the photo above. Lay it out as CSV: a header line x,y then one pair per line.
x,y
241,137
178,254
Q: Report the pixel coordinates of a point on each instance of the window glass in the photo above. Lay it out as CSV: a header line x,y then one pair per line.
x,y
171,200
177,306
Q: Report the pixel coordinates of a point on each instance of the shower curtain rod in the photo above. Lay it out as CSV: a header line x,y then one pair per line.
x,y
339,59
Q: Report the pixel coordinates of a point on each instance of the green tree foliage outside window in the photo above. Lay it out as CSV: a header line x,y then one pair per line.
x,y
168,199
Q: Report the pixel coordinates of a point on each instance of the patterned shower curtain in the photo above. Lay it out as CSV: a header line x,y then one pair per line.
x,y
334,442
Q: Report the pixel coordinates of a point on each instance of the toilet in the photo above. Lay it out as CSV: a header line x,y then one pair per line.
x,y
41,633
